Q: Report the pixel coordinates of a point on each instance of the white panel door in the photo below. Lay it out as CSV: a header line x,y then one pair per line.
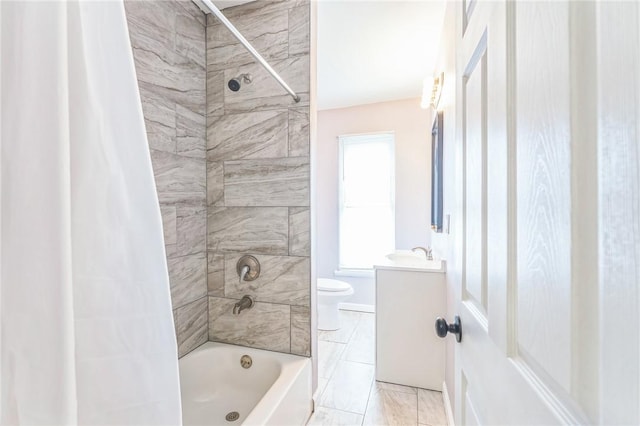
x,y
548,129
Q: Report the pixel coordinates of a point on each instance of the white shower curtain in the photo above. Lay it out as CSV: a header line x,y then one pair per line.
x,y
87,333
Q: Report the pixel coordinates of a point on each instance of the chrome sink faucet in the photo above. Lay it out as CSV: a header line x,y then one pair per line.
x,y
427,252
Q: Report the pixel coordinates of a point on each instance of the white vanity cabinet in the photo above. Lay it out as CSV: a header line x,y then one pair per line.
x,y
408,301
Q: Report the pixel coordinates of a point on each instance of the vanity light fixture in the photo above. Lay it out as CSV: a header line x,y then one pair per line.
x,y
436,92
431,99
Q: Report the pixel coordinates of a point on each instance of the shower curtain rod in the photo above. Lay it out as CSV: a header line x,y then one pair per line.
x,y
249,47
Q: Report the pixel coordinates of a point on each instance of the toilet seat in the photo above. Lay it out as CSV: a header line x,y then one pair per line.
x,y
329,285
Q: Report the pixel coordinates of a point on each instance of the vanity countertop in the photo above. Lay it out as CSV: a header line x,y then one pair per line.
x,y
406,260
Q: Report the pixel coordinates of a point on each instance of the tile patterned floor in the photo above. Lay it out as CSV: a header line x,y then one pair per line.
x,y
348,393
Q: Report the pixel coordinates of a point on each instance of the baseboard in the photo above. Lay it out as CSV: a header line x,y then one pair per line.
x,y
316,397
360,307
447,404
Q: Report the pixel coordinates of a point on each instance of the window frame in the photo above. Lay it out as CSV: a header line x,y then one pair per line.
x,y
390,138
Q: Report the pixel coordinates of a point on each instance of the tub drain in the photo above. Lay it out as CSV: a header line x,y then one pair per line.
x,y
232,416
246,361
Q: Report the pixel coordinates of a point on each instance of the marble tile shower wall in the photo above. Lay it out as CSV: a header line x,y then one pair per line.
x,y
258,177
168,40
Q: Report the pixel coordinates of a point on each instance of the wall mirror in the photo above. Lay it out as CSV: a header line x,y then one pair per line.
x,y
436,173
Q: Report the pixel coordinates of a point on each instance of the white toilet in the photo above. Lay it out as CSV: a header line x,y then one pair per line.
x,y
330,293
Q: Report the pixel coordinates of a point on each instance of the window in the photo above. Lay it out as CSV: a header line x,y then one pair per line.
x,y
367,199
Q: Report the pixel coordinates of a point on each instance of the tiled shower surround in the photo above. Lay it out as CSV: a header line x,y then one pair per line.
x,y
231,168
258,177
168,40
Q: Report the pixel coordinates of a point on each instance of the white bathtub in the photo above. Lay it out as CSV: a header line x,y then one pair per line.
x,y
275,390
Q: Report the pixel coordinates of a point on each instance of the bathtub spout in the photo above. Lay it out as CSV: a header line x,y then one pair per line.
x,y
245,303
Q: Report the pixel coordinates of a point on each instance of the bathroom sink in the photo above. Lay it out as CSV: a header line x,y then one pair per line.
x,y
410,259
404,256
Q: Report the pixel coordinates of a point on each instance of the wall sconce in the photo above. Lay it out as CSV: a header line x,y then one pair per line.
x,y
432,98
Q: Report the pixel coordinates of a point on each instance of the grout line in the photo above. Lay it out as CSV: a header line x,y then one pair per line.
x,y
373,381
175,308
334,370
359,362
343,411
368,400
417,406
290,330
288,230
344,347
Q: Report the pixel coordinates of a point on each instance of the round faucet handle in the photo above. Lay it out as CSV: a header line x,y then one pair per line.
x,y
253,266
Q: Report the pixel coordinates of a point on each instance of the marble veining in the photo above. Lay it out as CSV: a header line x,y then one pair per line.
x,y
361,343
251,25
215,94
190,39
340,382
216,274
193,11
179,179
431,408
264,326
248,229
215,183
152,29
192,325
387,407
301,330
168,44
169,70
169,219
262,7
191,221
273,46
258,177
190,133
252,12
187,276
177,79
392,387
349,320
349,387
261,134
270,182
267,32
270,45
299,231
282,279
329,354
265,92
159,118
299,132
299,30
330,417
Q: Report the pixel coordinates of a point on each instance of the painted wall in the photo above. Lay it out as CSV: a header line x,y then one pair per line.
x,y
168,40
412,127
258,179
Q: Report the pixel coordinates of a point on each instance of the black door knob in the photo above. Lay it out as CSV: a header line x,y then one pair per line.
x,y
442,328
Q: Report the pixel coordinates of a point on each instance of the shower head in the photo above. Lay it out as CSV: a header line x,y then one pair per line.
x,y
235,83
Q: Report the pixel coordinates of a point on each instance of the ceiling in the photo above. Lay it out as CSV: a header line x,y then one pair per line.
x,y
373,51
